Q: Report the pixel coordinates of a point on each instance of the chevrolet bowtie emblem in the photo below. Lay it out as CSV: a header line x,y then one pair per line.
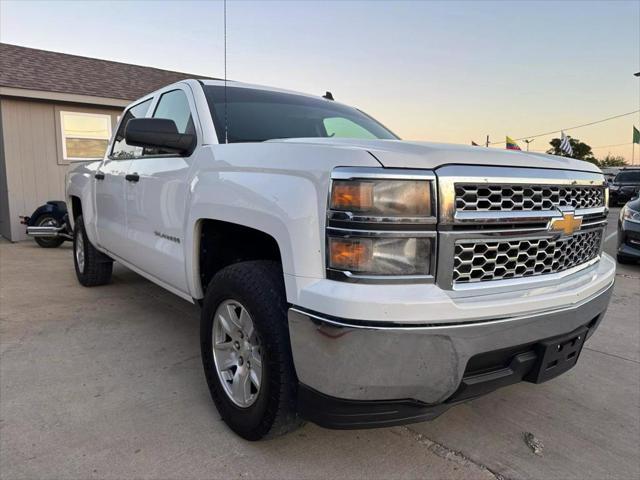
x,y
568,224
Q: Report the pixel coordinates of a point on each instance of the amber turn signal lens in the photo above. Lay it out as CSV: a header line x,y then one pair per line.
x,y
356,196
349,254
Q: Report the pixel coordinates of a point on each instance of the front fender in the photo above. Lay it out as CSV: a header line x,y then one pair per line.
x,y
287,201
290,215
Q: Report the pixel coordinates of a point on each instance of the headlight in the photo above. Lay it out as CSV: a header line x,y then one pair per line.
x,y
380,256
382,198
381,225
630,215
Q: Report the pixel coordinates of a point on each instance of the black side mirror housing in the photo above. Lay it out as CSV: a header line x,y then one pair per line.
x,y
160,133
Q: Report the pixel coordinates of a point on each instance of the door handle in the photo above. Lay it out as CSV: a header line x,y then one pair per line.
x,y
99,176
132,177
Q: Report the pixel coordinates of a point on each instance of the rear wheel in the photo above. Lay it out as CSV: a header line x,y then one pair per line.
x,y
246,351
47,220
92,267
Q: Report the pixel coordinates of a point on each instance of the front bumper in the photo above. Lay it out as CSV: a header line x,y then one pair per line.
x,y
629,239
365,374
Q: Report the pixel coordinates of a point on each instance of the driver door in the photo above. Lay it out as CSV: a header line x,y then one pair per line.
x,y
156,196
110,186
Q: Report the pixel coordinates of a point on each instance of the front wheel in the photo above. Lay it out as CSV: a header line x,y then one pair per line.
x,y
92,267
246,351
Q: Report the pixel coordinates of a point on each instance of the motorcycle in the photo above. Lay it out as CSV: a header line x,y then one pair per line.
x,y
49,224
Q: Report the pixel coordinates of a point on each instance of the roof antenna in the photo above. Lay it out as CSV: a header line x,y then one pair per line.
x,y
328,95
226,127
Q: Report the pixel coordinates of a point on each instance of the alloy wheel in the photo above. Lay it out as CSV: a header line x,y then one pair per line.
x,y
79,251
236,353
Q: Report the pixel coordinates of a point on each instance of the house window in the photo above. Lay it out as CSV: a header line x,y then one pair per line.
x,y
84,135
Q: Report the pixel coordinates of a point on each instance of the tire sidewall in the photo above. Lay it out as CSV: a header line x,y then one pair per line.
x,y
254,421
79,230
97,266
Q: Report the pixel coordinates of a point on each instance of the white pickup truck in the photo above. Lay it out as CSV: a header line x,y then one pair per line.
x,y
346,277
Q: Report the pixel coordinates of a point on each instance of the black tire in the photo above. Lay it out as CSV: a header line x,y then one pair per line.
x,y
259,287
48,242
625,260
97,266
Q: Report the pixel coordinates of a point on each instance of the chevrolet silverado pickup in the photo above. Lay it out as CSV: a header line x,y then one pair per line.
x,y
345,277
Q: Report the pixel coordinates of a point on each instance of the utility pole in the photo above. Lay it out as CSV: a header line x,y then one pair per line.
x,y
487,144
633,144
528,142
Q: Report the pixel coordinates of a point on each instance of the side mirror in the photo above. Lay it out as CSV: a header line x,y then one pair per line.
x,y
159,133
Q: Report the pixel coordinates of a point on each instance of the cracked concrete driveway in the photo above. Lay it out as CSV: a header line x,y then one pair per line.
x,y
107,383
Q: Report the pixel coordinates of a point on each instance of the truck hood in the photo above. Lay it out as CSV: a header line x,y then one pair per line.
x,y
409,154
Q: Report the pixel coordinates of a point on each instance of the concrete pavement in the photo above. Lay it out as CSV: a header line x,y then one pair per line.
x,y
107,383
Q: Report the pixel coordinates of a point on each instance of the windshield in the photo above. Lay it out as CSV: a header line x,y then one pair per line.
x,y
258,115
628,177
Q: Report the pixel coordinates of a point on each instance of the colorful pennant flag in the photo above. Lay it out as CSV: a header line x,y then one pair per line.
x,y
565,145
511,144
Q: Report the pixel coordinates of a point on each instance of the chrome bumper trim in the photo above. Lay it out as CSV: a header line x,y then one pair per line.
x,y
502,216
358,361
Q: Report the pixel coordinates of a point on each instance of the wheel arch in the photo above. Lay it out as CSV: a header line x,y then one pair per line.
x,y
218,243
76,207
224,243
79,193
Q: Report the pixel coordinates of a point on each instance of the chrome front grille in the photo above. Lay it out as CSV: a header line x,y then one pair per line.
x,y
526,197
482,260
515,225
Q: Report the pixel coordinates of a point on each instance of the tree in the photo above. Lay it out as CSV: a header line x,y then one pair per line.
x,y
581,150
612,161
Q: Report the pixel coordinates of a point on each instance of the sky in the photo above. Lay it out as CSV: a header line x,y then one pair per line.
x,y
437,71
